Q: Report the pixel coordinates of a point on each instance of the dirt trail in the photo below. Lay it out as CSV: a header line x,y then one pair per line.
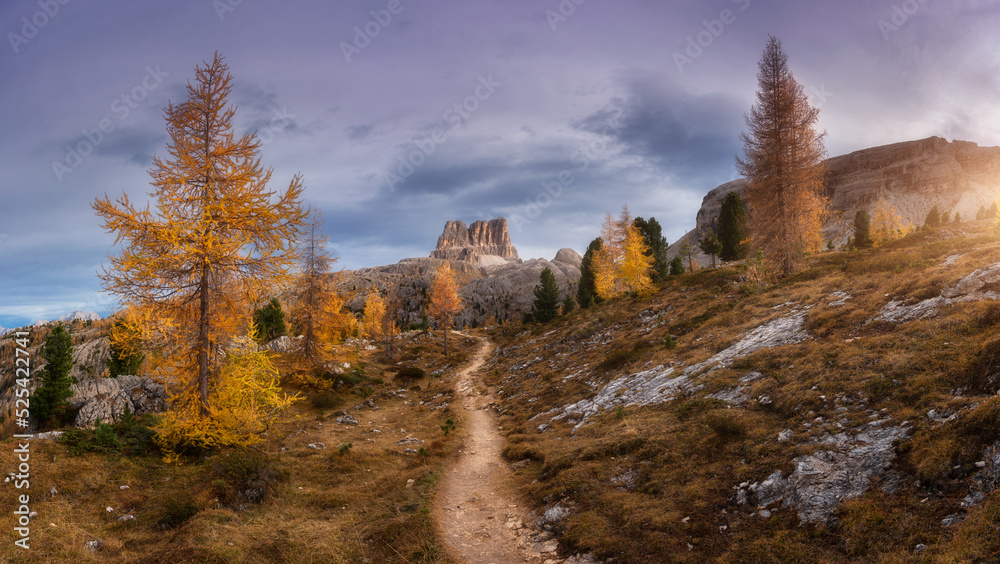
x,y
471,509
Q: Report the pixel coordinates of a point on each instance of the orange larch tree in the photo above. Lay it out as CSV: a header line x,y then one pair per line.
x,y
444,301
215,241
783,164
622,263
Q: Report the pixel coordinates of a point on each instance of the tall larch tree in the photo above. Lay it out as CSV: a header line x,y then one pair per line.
x,y
444,301
637,262
317,312
783,164
887,223
215,240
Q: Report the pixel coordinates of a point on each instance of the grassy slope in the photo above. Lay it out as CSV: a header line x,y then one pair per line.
x,y
686,455
323,507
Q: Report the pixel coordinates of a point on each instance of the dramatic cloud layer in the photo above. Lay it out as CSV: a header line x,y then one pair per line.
x,y
401,115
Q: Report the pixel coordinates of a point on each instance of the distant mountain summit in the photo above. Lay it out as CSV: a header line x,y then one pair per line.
x,y
79,315
484,243
913,176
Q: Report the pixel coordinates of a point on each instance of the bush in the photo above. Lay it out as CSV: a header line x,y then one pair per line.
x,y
131,436
410,373
246,477
726,426
176,512
982,374
617,360
669,342
325,401
269,322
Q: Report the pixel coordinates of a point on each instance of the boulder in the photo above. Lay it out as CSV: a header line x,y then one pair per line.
x,y
107,398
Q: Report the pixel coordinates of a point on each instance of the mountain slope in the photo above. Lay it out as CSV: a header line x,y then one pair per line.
x,y
846,412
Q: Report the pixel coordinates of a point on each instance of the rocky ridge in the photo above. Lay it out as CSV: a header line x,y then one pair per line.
x,y
913,176
484,243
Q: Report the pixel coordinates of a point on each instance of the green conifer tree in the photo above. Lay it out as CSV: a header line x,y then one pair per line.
x,y
652,232
677,266
48,403
586,293
733,232
710,245
546,306
269,321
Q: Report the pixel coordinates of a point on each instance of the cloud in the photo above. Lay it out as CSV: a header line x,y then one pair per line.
x,y
358,132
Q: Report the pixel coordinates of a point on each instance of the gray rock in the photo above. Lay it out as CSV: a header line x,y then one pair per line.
x,y
94,545
953,519
347,420
107,398
282,344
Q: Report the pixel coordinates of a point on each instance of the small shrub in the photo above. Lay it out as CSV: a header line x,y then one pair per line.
x,y
619,413
688,408
345,448
410,373
176,512
617,360
982,374
725,426
325,401
448,426
246,476
669,342
879,387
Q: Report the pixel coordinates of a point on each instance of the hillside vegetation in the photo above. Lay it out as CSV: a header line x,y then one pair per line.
x,y
345,476
845,413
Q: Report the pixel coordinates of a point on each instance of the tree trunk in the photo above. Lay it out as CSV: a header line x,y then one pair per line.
x,y
203,342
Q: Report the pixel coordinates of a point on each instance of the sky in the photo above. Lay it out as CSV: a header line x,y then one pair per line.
x,y
403,114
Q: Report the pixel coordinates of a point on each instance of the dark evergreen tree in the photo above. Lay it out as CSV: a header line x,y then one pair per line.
x,y
981,213
862,230
733,231
569,304
586,293
933,217
677,266
652,232
992,212
957,218
546,306
124,358
48,403
269,321
710,245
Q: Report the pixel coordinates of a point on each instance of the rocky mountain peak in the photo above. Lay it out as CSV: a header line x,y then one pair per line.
x,y
484,242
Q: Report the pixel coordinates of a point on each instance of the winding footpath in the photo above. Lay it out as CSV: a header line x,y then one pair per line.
x,y
470,508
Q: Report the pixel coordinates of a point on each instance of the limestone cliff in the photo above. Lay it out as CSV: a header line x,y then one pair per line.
x,y
478,243
913,176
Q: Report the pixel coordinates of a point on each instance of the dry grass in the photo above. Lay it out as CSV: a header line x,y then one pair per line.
x,y
322,505
685,456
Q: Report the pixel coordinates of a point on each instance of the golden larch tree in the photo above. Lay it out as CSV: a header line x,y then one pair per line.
x,y
887,223
783,164
444,301
215,240
636,262
379,321
623,261
318,311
